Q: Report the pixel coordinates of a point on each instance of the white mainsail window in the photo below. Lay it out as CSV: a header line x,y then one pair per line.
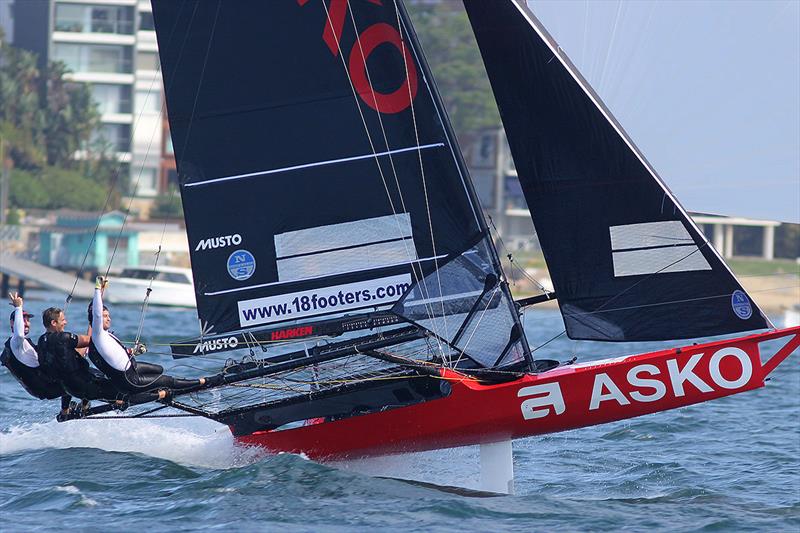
x,y
654,248
340,248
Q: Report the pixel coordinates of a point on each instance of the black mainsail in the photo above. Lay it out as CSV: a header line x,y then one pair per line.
x,y
320,177
627,262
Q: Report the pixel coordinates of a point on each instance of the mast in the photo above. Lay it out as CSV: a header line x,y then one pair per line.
x,y
326,182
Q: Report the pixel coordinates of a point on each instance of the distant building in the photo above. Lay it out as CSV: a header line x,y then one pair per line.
x,y
71,242
496,182
492,170
111,45
6,22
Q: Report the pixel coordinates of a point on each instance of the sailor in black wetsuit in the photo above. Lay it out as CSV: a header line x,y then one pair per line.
x,y
20,357
118,363
59,359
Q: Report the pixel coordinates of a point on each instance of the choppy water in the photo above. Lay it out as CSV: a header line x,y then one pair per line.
x,y
728,465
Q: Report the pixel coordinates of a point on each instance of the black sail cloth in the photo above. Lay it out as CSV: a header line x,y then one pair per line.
x,y
626,261
318,172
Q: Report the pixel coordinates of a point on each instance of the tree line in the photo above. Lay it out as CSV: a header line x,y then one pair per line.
x,y
44,120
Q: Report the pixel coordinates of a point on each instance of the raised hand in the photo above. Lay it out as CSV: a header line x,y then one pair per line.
x,y
16,299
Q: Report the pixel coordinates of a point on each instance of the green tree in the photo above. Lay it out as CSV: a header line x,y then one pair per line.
x,y
445,33
787,241
168,206
69,115
54,188
20,113
44,120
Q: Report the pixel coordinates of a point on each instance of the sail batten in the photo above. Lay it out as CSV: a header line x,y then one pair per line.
x,y
316,164
626,259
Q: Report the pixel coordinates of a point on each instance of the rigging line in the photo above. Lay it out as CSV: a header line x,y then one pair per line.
x,y
172,190
421,165
199,83
631,287
145,303
585,32
548,341
463,173
386,142
624,291
131,417
671,302
363,120
475,328
137,123
592,95
512,263
604,66
110,191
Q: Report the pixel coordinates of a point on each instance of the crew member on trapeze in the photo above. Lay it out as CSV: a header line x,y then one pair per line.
x,y
60,360
118,363
20,357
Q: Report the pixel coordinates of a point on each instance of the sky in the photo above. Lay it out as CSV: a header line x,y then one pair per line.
x,y
708,90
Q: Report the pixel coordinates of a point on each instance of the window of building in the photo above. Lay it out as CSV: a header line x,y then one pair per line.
x,y
168,149
112,98
146,21
148,101
85,18
145,179
115,137
147,61
94,57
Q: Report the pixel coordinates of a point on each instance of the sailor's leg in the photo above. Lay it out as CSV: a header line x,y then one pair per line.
x,y
152,376
66,400
149,369
170,382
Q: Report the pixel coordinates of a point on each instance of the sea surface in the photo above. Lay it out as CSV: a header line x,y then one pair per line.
x,y
727,465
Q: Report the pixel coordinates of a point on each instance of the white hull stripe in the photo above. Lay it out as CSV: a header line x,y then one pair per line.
x,y
316,164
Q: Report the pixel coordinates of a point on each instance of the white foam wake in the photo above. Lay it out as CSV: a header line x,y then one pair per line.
x,y
191,442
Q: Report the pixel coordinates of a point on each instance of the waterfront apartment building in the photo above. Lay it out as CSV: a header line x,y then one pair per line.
x,y
111,45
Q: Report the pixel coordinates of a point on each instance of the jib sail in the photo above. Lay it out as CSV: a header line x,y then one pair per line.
x,y
626,261
318,172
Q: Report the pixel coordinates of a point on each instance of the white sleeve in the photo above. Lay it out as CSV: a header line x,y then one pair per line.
x,y
109,349
18,332
22,349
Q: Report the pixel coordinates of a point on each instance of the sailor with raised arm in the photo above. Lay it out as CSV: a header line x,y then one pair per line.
x,y
61,361
20,357
118,363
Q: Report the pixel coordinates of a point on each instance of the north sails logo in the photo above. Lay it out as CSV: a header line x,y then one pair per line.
x,y
227,343
219,242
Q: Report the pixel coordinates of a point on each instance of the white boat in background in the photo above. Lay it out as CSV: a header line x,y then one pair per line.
x,y
791,317
171,286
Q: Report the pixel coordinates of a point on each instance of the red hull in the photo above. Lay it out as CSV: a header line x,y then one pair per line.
x,y
564,398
